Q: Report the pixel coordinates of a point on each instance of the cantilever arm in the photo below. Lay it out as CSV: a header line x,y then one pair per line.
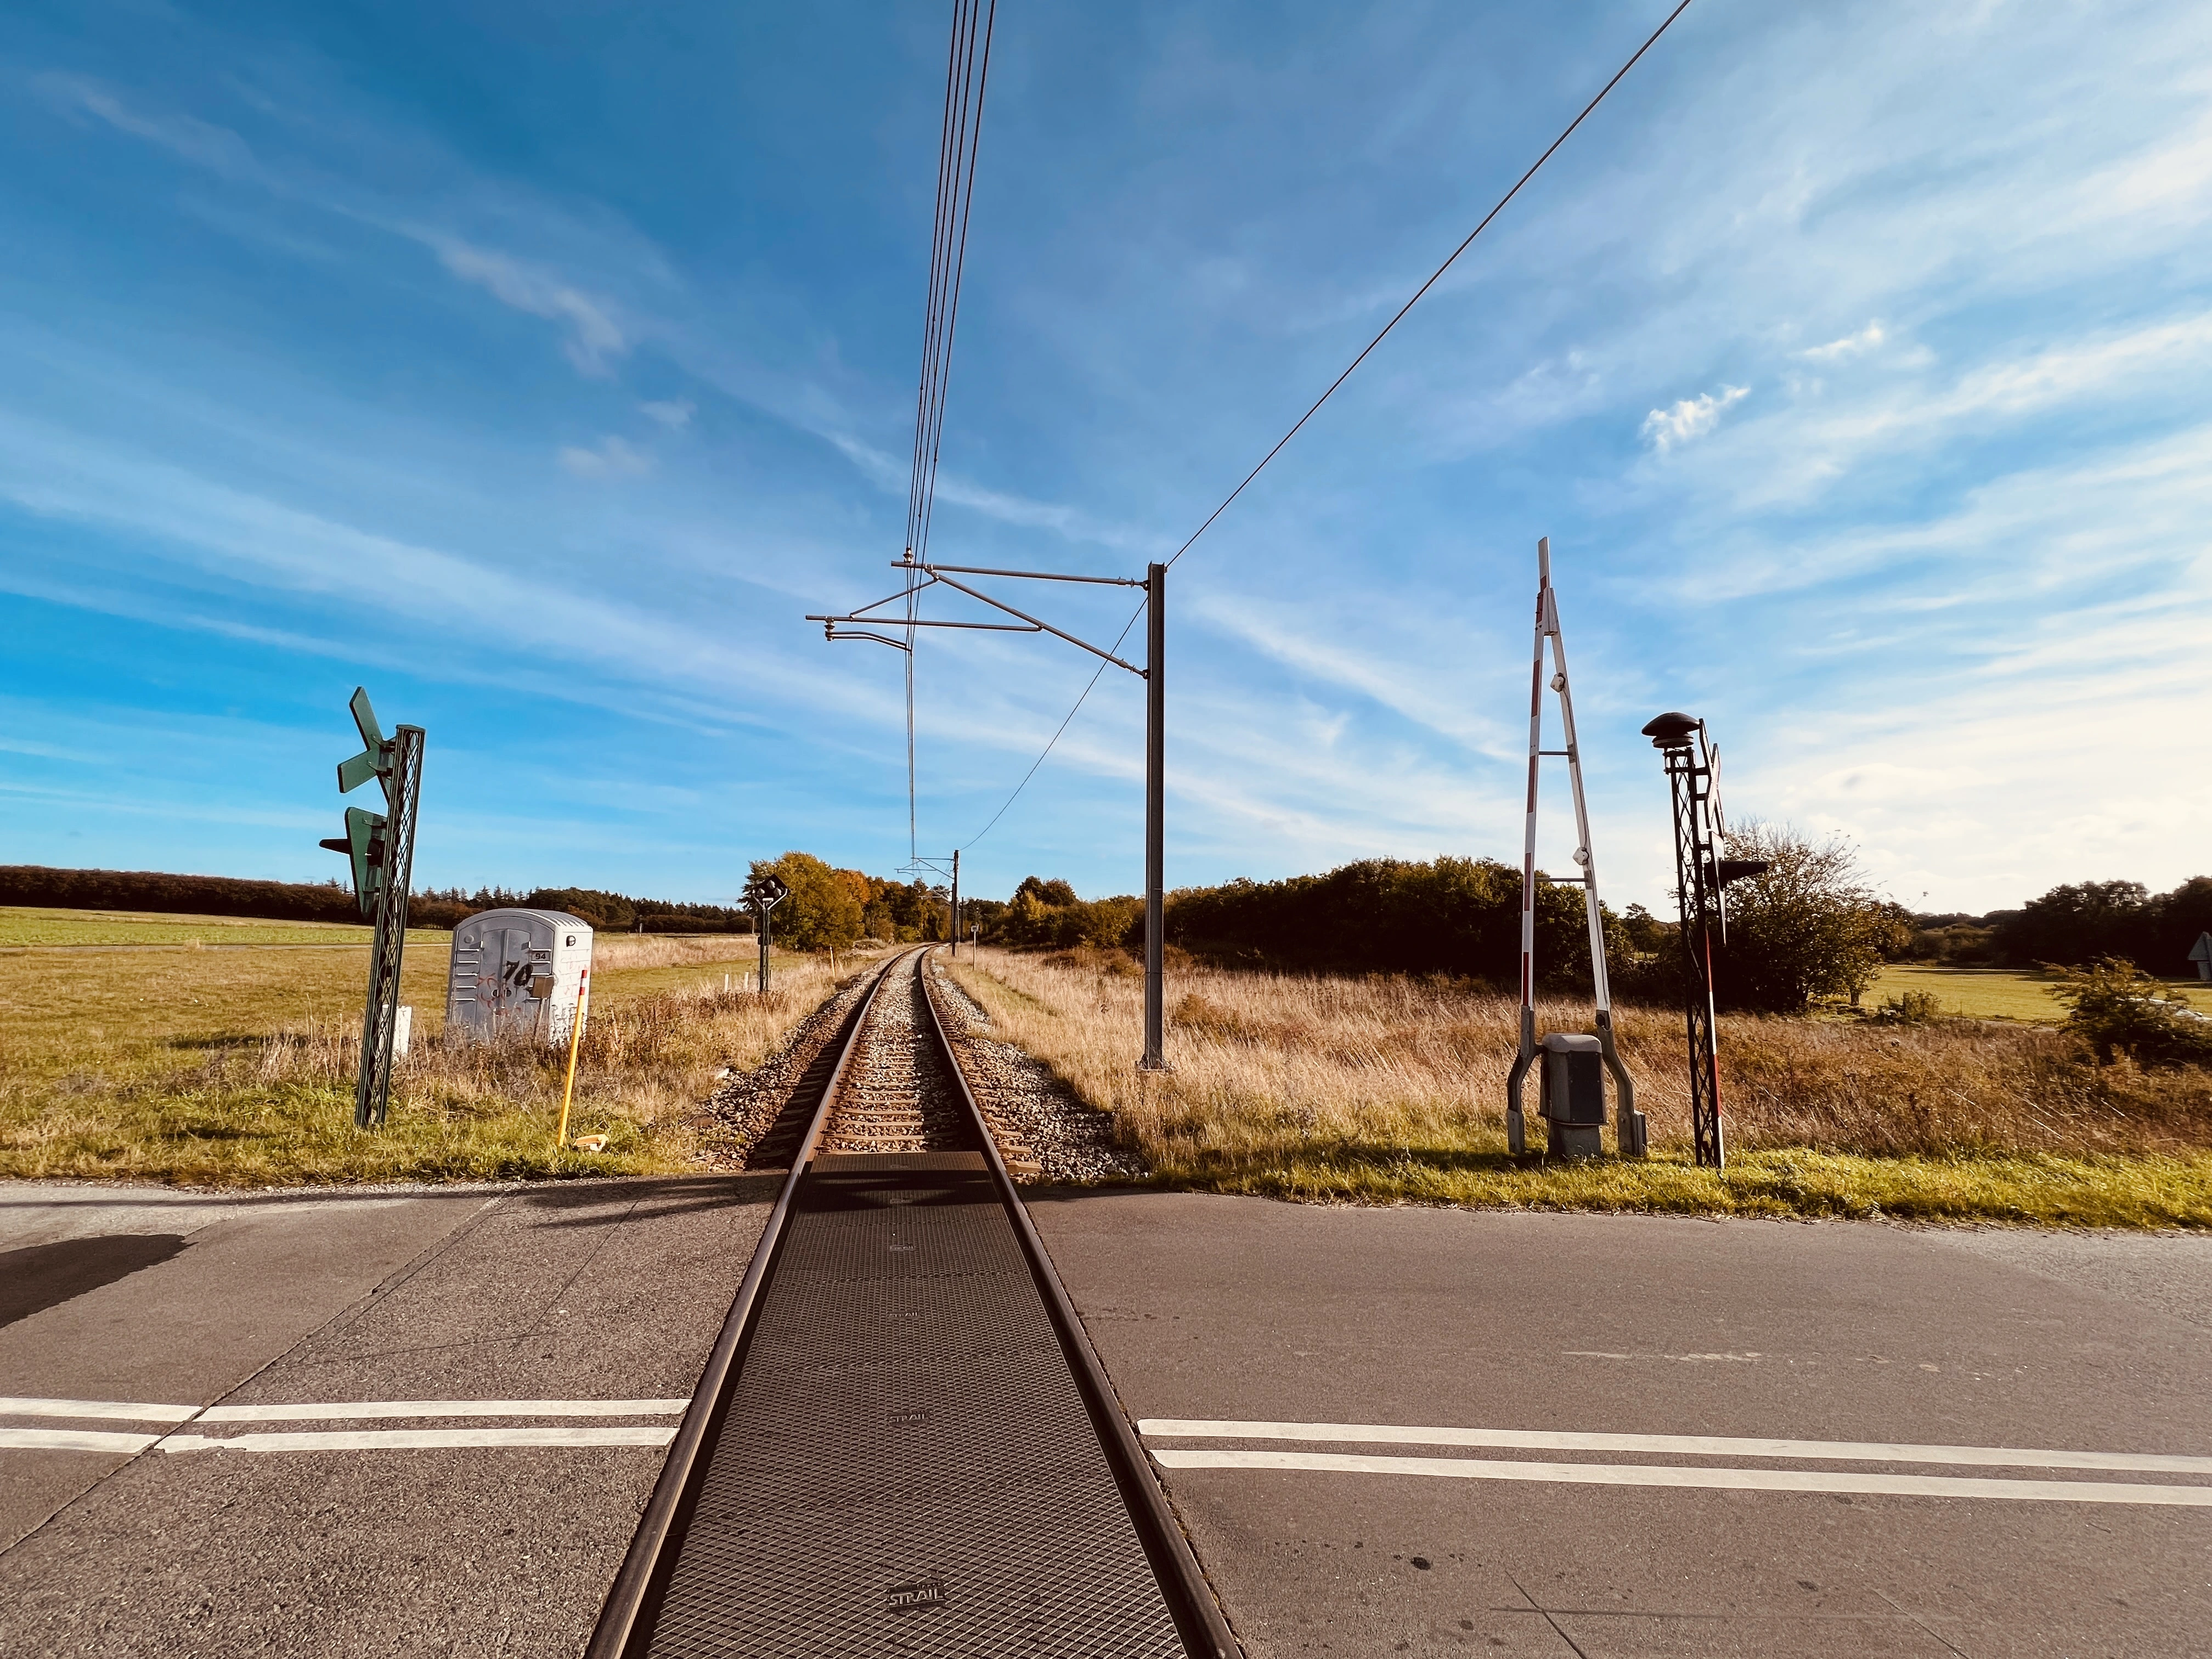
x,y
860,613
998,604
1029,575
829,632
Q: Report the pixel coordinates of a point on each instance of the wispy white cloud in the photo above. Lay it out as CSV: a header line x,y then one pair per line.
x,y
675,414
612,458
214,148
1691,418
1071,523
593,335
1419,695
1851,345
1791,453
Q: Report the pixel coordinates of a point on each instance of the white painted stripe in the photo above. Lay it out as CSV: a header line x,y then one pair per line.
x,y
117,1410
337,1410
1690,1445
83,1440
1652,1474
418,1439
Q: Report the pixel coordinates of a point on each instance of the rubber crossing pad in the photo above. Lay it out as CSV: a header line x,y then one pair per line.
x,y
906,1466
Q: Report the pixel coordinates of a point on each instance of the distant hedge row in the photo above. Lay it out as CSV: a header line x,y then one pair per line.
x,y
200,896
2079,922
1460,917
37,885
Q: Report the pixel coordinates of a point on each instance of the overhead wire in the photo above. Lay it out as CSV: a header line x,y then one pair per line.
x,y
1434,276
967,72
1396,318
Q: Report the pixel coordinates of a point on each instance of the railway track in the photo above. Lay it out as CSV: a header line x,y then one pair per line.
x,y
902,1442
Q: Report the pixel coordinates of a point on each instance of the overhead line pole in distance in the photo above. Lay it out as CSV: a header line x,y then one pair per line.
x,y
920,865
860,625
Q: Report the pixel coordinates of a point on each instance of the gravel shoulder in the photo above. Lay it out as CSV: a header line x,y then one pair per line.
x,y
1068,1141
742,1116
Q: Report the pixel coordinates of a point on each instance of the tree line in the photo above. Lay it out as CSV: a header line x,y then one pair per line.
x,y
2074,924
38,886
1811,927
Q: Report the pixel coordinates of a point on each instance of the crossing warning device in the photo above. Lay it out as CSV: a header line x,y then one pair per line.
x,y
380,846
1570,1090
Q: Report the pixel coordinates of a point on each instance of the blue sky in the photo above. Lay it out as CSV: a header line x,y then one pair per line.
x,y
541,366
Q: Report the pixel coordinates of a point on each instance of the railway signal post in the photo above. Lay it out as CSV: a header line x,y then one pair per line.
x,y
763,892
381,846
1694,779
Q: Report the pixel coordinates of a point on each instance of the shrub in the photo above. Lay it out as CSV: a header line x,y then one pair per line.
x,y
1912,1008
1809,927
2116,1008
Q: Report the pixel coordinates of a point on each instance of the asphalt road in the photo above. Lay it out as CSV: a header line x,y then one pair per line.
x,y
1209,1309
589,1291
529,1303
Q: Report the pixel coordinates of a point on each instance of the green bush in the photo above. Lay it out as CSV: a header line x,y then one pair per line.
x,y
1912,1008
1809,927
2116,1008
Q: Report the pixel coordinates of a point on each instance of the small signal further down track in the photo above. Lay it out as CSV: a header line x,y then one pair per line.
x,y
902,1442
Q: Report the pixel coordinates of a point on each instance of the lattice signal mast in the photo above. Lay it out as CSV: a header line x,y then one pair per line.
x,y
1693,777
1573,1114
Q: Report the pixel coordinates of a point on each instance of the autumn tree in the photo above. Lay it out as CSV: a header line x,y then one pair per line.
x,y
1810,926
825,908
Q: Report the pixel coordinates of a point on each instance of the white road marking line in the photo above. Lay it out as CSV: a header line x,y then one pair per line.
x,y
1692,1445
119,1410
330,1411
83,1440
117,1443
1631,1474
417,1439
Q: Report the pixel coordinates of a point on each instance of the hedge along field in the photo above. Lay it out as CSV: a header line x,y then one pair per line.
x,y
1387,1088
234,1067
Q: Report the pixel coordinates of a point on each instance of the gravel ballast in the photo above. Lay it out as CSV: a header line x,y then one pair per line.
x,y
1067,1139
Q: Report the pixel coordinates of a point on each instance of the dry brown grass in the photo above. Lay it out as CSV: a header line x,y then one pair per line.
x,y
1395,1087
617,952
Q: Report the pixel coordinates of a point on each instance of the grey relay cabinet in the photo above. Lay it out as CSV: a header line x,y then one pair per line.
x,y
516,975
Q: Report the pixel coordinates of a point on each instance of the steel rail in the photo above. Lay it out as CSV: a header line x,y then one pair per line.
x,y
1190,1598
641,1570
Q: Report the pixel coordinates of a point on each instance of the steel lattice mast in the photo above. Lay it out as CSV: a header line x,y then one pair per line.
x,y
1693,780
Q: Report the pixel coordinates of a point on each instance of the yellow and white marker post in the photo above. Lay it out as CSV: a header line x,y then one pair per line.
x,y
576,1040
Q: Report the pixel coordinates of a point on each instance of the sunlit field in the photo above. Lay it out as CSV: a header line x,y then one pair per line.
x,y
1383,1089
196,1061
2000,992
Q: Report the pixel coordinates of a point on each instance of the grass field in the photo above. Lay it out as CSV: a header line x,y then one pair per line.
x,y
56,929
1382,1089
1999,993
179,1061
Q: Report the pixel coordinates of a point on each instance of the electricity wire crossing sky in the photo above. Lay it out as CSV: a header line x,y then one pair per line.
x,y
541,378
968,71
